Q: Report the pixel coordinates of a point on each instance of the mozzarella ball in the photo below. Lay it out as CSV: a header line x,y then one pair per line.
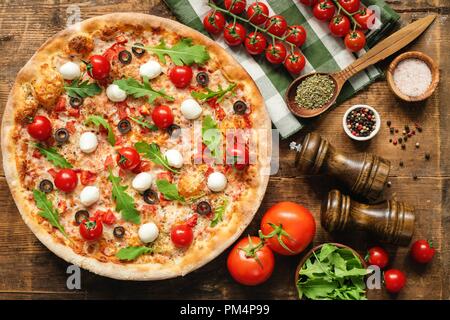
x,y
115,94
142,181
151,69
88,142
148,232
70,70
89,195
190,109
174,158
217,181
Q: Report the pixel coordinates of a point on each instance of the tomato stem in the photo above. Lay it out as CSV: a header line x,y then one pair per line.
x,y
278,232
348,14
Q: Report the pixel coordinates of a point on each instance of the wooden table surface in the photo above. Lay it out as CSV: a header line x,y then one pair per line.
x,y
30,270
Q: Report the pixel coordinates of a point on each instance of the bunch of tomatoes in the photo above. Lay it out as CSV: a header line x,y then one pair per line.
x,y
341,14
285,40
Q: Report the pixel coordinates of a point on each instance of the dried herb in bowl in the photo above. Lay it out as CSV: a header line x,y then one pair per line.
x,y
332,273
315,91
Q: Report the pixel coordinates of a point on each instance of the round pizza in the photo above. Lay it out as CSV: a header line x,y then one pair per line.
x,y
135,147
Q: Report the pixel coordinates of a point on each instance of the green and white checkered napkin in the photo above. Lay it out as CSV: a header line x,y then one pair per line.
x,y
323,52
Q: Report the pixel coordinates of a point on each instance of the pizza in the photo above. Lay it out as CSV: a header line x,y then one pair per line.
x,y
135,147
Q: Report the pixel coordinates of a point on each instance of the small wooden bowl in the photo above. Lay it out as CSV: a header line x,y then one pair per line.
x,y
417,55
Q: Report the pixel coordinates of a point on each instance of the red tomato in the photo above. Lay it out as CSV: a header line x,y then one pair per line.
x,y
355,40
257,12
239,156
250,262
87,177
394,280
235,6
422,251
234,34
339,25
60,104
296,35
365,18
98,67
128,158
255,43
276,25
276,54
288,227
309,2
214,22
107,217
181,235
40,129
66,180
162,116
295,62
377,256
324,10
180,76
351,6
91,229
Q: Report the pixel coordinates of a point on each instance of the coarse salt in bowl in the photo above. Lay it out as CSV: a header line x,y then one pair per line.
x,y
374,131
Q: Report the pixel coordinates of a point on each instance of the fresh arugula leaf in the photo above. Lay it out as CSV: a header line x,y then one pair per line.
x,y
182,53
100,121
124,202
53,156
211,136
219,95
47,210
169,190
218,212
132,253
316,288
138,90
151,151
82,89
141,121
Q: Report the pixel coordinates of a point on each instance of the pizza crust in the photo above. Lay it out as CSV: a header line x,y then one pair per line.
x,y
193,259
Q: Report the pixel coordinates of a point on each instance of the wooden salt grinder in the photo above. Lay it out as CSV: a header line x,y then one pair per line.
x,y
363,174
390,221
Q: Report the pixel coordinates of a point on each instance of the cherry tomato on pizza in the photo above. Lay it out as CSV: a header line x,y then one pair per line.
x,y
394,280
239,156
355,40
235,6
234,34
128,158
422,251
255,43
365,18
181,235
98,67
351,6
339,25
276,53
181,76
162,116
324,10
296,35
295,62
257,12
377,256
288,228
276,25
40,128
66,180
214,22
250,262
91,229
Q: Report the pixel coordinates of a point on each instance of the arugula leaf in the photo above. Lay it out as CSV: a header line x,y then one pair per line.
x,y
210,94
138,90
124,202
53,156
219,211
182,53
83,89
211,136
317,288
132,253
152,152
141,121
47,210
169,190
100,121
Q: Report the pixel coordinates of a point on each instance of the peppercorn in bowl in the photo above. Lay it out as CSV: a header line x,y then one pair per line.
x,y
361,122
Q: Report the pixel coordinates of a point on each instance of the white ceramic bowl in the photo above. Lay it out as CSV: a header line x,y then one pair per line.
x,y
377,123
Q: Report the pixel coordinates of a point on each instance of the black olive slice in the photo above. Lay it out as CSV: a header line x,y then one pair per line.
x,y
119,232
240,107
80,216
124,126
125,56
202,78
46,186
203,207
138,52
174,130
76,102
150,196
61,135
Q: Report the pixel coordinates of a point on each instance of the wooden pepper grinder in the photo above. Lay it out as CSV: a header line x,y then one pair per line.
x,y
364,174
390,221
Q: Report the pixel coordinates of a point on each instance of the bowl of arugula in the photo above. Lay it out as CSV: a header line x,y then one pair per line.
x,y
331,271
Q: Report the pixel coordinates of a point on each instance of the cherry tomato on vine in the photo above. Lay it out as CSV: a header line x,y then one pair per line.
x,y
234,34
355,40
250,262
276,25
377,256
351,6
324,10
422,251
66,180
128,158
394,280
180,76
296,35
309,2
255,43
98,67
288,228
365,18
162,116
40,128
295,62
214,22
257,12
235,6
276,53
339,25
91,229
181,235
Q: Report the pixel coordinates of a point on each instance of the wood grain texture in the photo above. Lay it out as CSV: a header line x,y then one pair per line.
x,y
30,271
